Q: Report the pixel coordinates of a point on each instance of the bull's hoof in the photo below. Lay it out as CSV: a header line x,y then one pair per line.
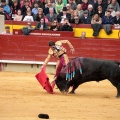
x,y
72,92
118,96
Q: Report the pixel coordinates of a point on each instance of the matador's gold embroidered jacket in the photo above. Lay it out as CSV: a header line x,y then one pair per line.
x,y
55,53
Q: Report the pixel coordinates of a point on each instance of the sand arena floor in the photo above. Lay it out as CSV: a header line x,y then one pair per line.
x,y
22,98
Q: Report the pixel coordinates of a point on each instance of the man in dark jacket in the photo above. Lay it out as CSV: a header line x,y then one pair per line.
x,y
66,26
86,19
51,15
41,25
117,19
62,15
107,22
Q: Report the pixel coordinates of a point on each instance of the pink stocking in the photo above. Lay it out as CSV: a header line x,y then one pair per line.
x,y
53,84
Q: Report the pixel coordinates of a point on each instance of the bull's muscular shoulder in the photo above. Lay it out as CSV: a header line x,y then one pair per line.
x,y
98,62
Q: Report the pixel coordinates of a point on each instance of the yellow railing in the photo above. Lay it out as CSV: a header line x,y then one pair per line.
x,y
77,32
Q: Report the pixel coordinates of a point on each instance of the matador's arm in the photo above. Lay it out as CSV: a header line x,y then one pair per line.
x,y
60,42
47,60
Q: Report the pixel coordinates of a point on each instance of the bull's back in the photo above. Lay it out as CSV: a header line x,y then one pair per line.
x,y
97,69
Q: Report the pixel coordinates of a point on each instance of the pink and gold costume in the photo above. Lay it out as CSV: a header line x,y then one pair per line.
x,y
60,54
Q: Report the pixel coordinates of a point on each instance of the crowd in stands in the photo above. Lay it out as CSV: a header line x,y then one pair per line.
x,y
66,12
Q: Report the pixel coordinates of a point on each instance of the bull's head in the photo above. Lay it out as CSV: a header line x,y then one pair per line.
x,y
61,83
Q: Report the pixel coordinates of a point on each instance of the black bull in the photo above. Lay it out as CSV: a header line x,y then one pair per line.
x,y
92,70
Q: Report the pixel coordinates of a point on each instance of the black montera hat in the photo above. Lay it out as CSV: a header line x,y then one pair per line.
x,y
64,9
51,43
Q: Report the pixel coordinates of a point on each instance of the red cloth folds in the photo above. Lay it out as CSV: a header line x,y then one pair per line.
x,y
44,80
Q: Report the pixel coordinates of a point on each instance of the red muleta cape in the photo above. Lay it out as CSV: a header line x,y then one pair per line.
x,y
44,80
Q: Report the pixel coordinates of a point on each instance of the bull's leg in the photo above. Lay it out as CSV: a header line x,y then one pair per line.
x,y
117,85
118,90
74,88
68,84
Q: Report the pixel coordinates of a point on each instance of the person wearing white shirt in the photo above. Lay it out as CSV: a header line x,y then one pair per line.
x,y
28,17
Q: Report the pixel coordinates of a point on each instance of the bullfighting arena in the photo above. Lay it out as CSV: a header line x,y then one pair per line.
x,y
22,98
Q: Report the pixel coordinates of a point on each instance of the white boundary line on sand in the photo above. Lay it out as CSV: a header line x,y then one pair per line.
x,y
26,62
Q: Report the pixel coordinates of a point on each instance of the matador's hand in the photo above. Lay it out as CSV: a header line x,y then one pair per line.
x,y
72,50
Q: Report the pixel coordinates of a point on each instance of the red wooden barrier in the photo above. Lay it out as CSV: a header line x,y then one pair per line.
x,y
35,48
46,33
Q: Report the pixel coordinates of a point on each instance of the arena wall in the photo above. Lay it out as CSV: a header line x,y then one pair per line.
x,y
33,50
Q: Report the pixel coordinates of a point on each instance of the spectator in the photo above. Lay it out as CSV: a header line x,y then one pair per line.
x,y
28,17
25,6
35,9
79,10
28,10
11,3
96,24
39,2
39,15
29,26
69,10
66,26
90,10
107,22
65,2
48,5
92,2
85,5
19,16
83,35
41,25
54,26
115,5
59,6
62,15
15,7
75,18
7,31
107,19
27,29
72,4
52,3
51,15
117,19
101,3
107,2
79,2
86,19
110,8
5,6
3,13
100,11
